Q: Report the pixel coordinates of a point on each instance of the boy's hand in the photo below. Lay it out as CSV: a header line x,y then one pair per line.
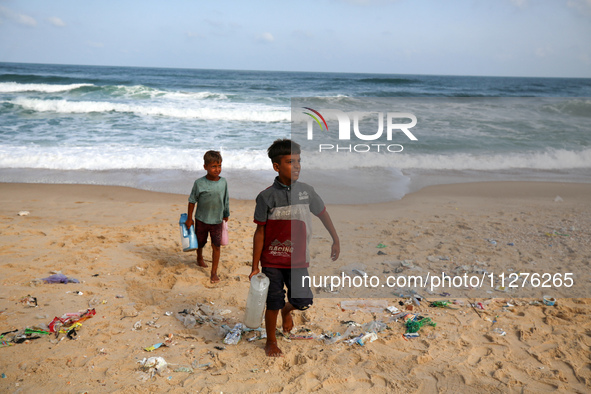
x,y
253,273
335,251
225,219
189,223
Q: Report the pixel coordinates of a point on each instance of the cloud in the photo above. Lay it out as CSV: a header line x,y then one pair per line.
x,y
266,37
57,22
16,17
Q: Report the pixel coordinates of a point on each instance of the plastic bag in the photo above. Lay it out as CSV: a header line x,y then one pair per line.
x,y
60,278
225,240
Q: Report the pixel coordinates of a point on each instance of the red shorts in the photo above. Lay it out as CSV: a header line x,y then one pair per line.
x,y
203,229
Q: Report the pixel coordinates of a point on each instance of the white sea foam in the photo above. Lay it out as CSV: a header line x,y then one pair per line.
x,y
113,157
234,112
109,158
13,87
555,159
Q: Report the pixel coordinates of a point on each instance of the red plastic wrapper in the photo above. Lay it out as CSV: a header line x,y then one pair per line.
x,y
70,319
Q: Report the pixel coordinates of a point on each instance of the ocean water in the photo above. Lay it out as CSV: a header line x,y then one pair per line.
x,y
149,127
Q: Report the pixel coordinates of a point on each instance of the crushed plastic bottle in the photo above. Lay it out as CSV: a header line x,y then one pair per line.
x,y
233,337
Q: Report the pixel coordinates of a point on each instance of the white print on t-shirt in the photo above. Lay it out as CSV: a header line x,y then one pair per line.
x,y
281,249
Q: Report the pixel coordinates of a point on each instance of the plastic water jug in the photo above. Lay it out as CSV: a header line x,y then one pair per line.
x,y
256,300
188,237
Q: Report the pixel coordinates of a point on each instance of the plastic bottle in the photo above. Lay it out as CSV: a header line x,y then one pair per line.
x,y
188,237
255,302
233,337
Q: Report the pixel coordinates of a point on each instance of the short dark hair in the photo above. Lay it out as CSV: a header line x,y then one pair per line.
x,y
283,147
212,156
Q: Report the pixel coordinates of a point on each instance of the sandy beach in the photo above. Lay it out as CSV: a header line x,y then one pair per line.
x,y
123,246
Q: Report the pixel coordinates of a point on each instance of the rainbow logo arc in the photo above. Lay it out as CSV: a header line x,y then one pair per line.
x,y
316,119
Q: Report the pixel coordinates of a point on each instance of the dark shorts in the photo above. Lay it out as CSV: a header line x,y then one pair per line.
x,y
203,229
292,279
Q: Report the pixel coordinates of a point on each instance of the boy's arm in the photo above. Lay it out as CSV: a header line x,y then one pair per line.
x,y
336,245
226,213
193,199
257,249
189,221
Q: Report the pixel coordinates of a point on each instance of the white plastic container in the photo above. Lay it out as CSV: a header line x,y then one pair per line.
x,y
256,300
188,237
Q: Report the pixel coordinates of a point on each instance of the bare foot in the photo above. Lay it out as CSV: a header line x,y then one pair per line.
x,y
201,263
214,278
272,350
287,321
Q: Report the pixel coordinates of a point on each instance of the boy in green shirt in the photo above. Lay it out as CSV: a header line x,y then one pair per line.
x,y
210,194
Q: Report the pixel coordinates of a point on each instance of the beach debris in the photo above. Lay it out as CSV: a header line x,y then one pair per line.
x,y
168,313
406,263
26,335
414,323
374,326
330,338
153,365
492,242
29,300
59,278
362,339
233,337
558,199
167,342
24,213
374,306
393,309
202,313
380,253
549,301
381,246
195,365
183,369
441,304
359,272
499,331
119,296
70,322
153,347
187,320
262,335
411,335
137,326
220,347
3,376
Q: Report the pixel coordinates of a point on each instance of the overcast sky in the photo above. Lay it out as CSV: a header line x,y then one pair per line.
x,y
456,37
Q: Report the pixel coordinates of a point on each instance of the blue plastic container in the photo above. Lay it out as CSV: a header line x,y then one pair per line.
x,y
188,237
